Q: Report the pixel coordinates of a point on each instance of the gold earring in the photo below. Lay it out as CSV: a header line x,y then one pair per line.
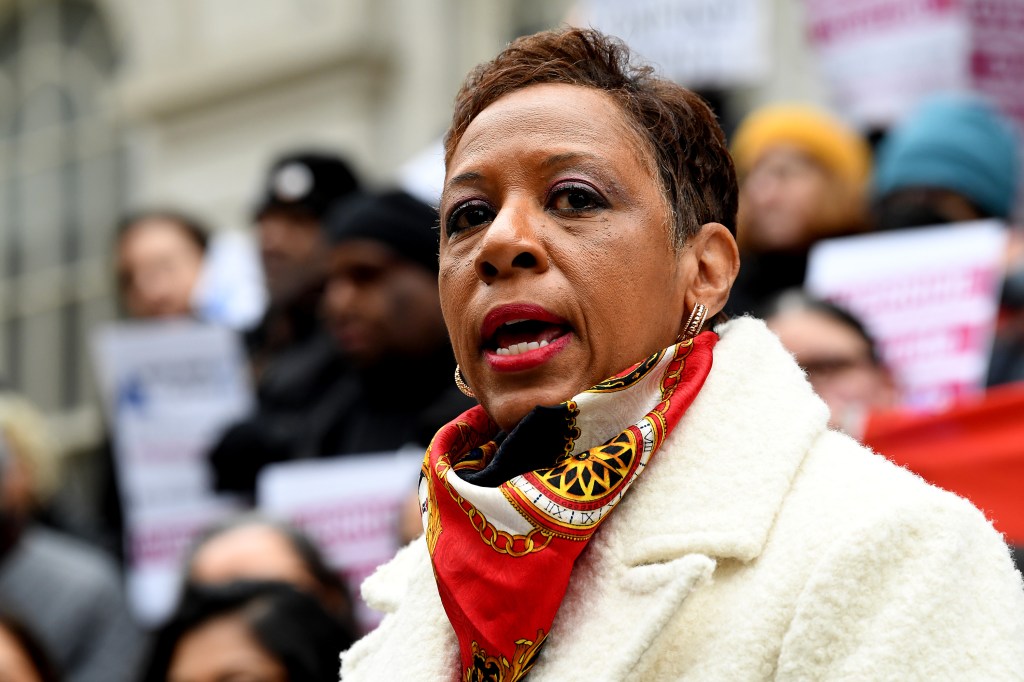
x,y
694,323
461,383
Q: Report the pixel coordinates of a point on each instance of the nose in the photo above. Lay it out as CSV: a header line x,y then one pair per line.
x,y
339,297
511,245
761,188
769,183
273,236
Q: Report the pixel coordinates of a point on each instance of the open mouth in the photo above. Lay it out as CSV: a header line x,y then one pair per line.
x,y
520,336
516,337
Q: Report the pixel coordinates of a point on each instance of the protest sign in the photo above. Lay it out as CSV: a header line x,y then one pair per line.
x,y
880,57
158,537
997,61
169,389
699,43
349,505
928,295
997,52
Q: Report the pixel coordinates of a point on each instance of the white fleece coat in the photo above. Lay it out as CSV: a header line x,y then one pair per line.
x,y
758,545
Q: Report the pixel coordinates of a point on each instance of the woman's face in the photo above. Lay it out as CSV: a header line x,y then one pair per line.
x,y
158,268
779,200
557,265
838,364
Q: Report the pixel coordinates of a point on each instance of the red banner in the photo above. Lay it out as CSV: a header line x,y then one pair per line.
x,y
975,449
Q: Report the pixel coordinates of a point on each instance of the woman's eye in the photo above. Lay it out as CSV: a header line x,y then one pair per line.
x,y
575,199
468,216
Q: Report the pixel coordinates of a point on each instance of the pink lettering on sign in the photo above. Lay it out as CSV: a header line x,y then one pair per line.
x,y
347,521
906,348
896,294
163,542
997,55
833,21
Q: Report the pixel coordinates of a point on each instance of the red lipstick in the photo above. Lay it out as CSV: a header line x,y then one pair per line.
x,y
517,311
520,336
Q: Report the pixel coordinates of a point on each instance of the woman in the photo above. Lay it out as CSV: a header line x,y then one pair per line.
x,y
160,258
838,354
803,177
254,631
251,546
691,517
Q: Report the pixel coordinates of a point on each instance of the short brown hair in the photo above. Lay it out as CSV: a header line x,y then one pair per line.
x,y
684,137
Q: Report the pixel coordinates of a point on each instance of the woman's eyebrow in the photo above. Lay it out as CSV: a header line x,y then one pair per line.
x,y
462,179
559,159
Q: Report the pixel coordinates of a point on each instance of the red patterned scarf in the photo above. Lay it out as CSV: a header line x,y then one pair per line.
x,y
506,516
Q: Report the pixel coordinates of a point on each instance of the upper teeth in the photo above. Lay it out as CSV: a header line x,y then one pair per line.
x,y
517,348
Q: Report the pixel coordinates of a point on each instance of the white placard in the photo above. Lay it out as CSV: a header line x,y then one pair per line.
x,y
349,505
170,389
159,536
698,43
880,57
928,295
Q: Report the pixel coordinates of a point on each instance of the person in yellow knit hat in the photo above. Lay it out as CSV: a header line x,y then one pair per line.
x,y
803,177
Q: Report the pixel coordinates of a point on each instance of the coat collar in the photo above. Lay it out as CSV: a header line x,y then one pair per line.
x,y
717,483
713,492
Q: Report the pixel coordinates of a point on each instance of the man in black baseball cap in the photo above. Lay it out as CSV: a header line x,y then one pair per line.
x,y
298,190
294,360
297,193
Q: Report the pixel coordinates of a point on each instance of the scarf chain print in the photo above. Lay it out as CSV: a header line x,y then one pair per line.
x,y
503,553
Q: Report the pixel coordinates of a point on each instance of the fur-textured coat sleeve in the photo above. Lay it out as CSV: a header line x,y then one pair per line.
x,y
923,592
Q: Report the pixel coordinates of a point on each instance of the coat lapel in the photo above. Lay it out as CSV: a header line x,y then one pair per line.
x,y
611,614
718,483
711,493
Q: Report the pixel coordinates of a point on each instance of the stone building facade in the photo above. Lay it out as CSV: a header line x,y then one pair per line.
x,y
108,105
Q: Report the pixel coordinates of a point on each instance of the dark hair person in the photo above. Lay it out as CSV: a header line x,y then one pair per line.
x,y
252,546
260,631
838,354
635,498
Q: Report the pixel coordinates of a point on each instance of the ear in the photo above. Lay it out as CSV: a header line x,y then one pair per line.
x,y
717,264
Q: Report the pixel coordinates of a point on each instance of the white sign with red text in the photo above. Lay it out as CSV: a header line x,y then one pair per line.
x,y
169,390
928,295
997,62
349,505
880,57
159,536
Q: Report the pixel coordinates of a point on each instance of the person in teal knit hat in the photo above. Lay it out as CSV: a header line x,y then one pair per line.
x,y
957,159
954,159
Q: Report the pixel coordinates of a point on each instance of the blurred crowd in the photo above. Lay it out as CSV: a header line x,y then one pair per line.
x,y
351,356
